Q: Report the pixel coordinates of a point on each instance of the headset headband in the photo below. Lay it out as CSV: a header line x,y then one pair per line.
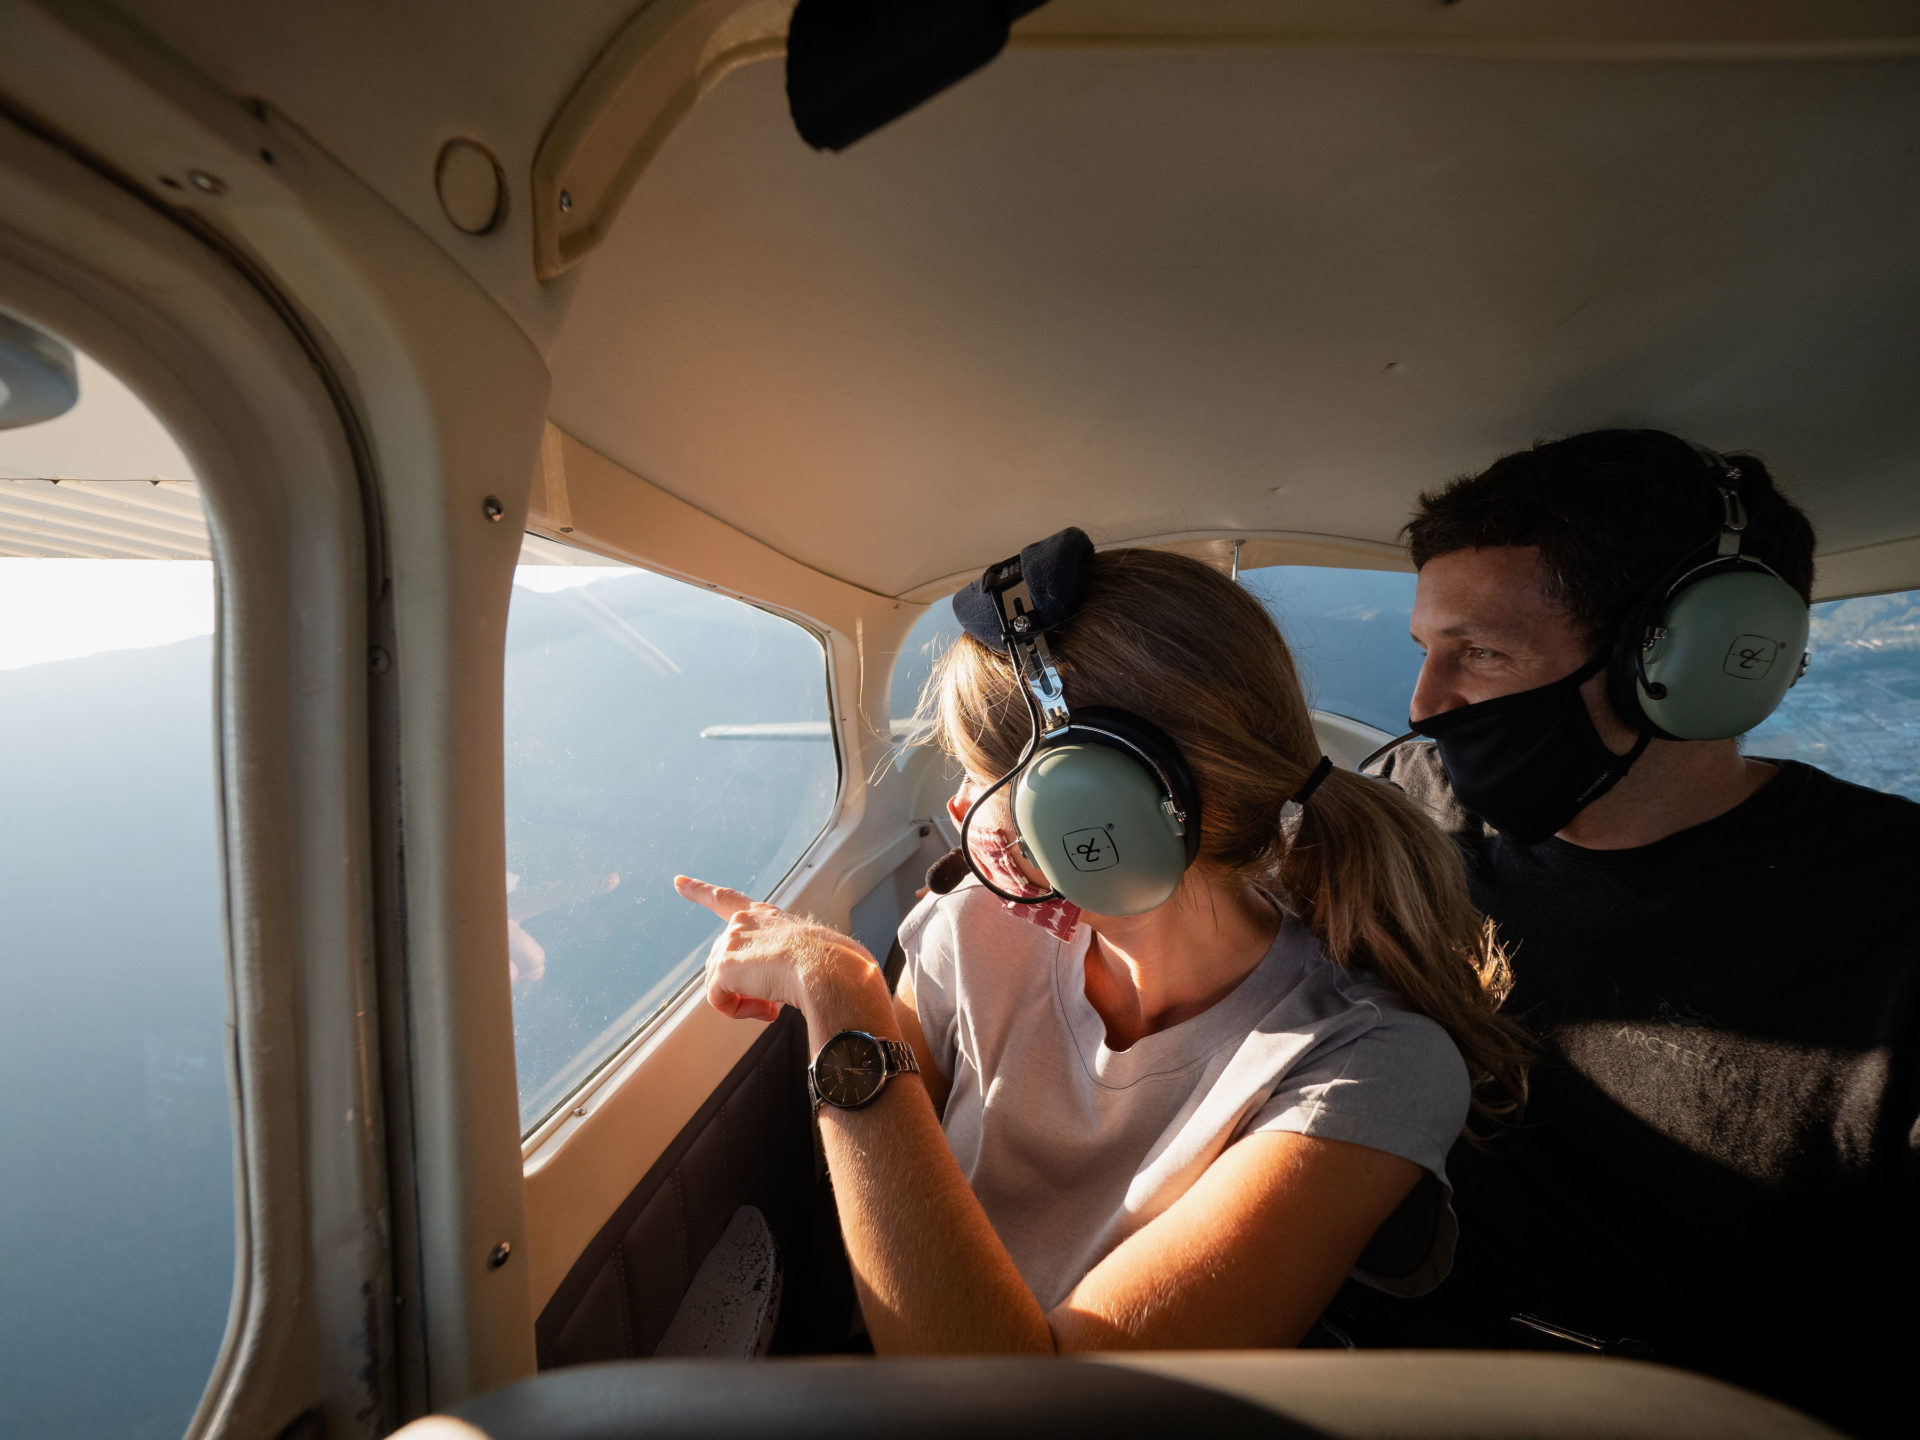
x,y
1026,642
1172,806
1733,508
1012,606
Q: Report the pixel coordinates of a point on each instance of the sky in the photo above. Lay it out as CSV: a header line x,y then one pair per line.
x,y
62,609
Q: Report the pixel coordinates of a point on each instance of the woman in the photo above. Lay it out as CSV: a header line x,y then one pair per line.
x,y
1171,1129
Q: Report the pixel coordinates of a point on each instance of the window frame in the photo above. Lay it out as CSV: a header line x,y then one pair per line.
x,y
197,335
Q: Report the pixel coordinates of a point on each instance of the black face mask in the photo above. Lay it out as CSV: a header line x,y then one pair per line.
x,y
1528,763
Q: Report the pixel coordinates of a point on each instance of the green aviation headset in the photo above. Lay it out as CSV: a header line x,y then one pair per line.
x,y
1713,648
1103,803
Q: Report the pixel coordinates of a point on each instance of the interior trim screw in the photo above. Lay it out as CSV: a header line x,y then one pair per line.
x,y
566,202
499,1255
493,509
205,183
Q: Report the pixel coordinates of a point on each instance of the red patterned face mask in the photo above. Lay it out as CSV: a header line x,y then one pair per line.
x,y
993,851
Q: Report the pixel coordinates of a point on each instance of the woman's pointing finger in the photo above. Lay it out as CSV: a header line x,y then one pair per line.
x,y
718,898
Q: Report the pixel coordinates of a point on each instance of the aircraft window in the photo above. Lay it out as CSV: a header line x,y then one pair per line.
x,y
1348,632
652,727
1856,712
925,642
116,1196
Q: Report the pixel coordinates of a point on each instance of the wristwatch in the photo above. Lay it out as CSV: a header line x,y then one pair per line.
x,y
853,1068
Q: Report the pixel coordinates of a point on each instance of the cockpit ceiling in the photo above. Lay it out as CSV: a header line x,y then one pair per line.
x,y
1217,290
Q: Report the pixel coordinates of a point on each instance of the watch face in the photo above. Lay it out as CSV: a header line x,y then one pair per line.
x,y
849,1070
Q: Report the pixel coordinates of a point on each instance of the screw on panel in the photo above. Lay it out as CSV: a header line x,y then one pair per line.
x,y
378,660
206,184
493,509
499,1255
566,202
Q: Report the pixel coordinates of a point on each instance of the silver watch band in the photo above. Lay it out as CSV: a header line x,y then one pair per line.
x,y
899,1057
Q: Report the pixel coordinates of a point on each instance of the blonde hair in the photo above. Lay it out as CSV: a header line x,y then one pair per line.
x,y
1362,867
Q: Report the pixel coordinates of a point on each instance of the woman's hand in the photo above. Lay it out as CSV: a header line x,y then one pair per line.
x,y
767,958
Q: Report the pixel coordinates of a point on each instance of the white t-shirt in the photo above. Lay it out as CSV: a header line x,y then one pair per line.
x,y
1071,1146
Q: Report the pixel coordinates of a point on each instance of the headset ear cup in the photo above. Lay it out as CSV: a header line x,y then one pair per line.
x,y
1092,818
1729,649
1093,809
1153,742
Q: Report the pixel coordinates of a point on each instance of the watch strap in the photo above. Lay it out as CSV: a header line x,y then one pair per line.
x,y
899,1057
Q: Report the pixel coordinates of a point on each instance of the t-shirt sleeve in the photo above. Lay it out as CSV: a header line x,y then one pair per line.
x,y
1400,1087
926,937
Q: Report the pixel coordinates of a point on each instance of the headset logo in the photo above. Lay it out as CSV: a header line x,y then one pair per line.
x,y
1750,657
1091,849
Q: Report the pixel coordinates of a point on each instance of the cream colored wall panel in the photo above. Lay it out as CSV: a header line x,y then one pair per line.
x,y
1868,570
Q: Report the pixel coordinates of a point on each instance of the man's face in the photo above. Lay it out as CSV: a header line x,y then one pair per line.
x,y
1488,629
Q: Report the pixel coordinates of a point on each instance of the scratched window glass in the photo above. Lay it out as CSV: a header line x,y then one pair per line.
x,y
652,727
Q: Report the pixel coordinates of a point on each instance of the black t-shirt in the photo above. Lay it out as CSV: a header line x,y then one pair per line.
x,y
1720,1159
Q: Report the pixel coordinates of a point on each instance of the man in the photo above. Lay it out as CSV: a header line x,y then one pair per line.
x,y
1717,954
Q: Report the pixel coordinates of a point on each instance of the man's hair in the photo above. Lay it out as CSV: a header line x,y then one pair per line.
x,y
1612,512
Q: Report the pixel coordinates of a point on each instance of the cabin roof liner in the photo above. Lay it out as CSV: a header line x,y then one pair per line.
x,y
1148,270
1154,291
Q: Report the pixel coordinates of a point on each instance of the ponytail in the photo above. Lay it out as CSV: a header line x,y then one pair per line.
x,y
1383,889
